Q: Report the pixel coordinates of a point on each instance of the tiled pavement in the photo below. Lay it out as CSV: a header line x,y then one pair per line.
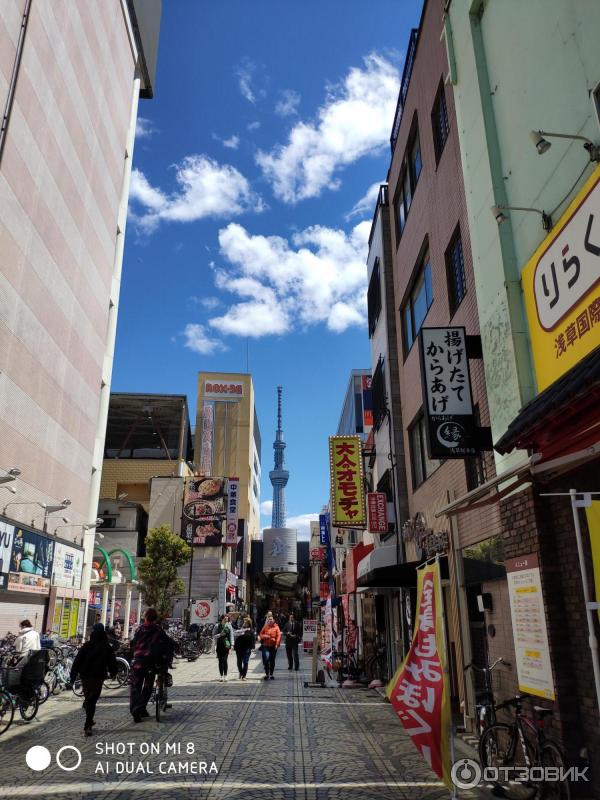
x,y
274,740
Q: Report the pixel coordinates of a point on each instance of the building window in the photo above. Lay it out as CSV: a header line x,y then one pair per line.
x,y
409,177
378,390
374,298
439,122
418,303
455,270
422,465
475,469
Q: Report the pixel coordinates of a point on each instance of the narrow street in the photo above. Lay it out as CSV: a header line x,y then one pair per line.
x,y
274,740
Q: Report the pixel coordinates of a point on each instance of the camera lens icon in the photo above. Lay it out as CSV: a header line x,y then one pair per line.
x,y
466,773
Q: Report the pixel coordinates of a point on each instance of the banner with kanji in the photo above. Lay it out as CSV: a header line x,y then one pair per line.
x,y
420,691
347,489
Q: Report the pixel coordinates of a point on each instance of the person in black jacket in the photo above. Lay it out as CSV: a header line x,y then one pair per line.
x,y
92,663
152,650
293,631
243,646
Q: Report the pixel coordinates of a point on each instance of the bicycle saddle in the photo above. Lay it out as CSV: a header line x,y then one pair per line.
x,y
541,711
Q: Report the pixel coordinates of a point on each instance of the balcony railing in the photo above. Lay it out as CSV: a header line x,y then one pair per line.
x,y
404,84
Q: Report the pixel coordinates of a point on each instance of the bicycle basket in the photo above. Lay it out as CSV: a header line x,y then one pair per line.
x,y
11,677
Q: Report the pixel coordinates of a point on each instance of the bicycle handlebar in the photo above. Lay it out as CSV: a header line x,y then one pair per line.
x,y
486,669
513,701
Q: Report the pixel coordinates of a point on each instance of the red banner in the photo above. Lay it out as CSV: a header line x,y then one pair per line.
x,y
377,509
419,691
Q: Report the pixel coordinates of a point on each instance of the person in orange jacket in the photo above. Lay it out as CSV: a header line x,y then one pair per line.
x,y
270,638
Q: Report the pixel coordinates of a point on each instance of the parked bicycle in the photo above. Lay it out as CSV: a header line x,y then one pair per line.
x,y
485,707
21,695
523,743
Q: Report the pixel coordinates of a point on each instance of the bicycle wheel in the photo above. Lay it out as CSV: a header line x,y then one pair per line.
x,y
50,679
500,746
158,698
51,658
7,711
28,704
207,645
43,692
121,677
77,688
551,756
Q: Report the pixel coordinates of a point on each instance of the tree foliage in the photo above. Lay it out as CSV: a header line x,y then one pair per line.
x,y
159,581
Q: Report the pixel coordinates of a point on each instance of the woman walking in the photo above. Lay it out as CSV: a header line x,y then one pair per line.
x,y
243,646
223,635
270,638
93,662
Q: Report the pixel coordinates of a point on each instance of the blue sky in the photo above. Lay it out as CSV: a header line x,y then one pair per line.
x,y
250,210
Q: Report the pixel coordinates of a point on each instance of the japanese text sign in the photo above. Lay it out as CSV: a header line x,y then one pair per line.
x,y
419,691
561,285
377,512
447,393
231,533
347,491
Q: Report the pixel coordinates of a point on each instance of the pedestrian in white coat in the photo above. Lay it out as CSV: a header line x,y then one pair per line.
x,y
28,639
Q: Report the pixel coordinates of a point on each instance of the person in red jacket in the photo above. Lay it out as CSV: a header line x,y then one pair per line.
x,y
270,638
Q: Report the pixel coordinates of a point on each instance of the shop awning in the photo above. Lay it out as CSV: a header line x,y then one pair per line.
x,y
380,571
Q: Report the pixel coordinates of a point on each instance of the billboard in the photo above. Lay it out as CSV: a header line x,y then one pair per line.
x,y
347,484
561,288
68,565
31,562
223,390
7,535
203,511
279,550
206,447
377,507
233,494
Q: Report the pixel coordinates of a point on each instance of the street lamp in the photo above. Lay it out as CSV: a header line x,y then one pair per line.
x,y
11,475
53,509
24,503
543,145
500,217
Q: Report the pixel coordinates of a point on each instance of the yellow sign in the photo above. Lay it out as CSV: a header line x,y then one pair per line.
x,y
561,284
593,520
347,484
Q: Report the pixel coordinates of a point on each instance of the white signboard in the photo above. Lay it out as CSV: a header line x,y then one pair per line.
x,y
446,371
227,390
206,448
571,266
204,611
309,633
529,626
67,566
232,512
279,550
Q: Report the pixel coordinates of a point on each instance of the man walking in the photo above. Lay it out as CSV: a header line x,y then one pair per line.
x,y
293,637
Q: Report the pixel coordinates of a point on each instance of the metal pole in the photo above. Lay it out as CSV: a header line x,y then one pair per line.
x,y
447,667
127,611
112,605
593,641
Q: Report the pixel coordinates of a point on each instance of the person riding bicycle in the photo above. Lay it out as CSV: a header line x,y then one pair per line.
x,y
152,650
92,663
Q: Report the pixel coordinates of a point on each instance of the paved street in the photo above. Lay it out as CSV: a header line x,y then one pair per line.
x,y
275,740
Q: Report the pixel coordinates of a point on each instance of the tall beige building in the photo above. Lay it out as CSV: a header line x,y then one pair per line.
x,y
70,79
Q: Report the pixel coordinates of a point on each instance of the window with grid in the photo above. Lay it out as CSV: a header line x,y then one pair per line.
x,y
422,465
378,393
417,304
455,270
374,298
409,177
440,122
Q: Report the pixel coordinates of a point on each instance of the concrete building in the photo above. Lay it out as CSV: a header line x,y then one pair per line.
x,y
70,82
526,80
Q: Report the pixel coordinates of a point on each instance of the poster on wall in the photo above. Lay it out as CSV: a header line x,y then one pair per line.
x,y
204,611
7,535
31,562
68,565
347,483
529,626
203,511
309,634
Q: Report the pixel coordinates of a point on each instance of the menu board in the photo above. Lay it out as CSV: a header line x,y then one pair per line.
x,y
529,626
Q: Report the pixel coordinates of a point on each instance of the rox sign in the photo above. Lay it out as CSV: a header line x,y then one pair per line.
x,y
224,388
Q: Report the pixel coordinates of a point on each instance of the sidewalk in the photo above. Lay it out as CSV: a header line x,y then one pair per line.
x,y
273,740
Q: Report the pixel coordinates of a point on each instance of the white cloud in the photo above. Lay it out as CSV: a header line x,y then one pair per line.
x,y
144,128
366,205
205,188
266,508
232,143
318,277
288,105
245,74
198,340
253,126
354,121
209,303
302,524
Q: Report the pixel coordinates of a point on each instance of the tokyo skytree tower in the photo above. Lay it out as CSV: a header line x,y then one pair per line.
x,y
279,476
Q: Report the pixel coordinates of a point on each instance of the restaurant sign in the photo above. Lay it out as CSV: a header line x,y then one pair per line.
x,y
561,286
203,511
347,490
447,397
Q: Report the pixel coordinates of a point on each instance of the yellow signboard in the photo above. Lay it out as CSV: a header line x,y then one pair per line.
x,y
347,484
561,284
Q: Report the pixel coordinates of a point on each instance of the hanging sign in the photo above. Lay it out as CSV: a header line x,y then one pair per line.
x,y
451,424
419,691
203,511
231,532
377,511
347,490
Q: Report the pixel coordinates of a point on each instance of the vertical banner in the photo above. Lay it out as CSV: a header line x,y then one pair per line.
x,y
232,512
377,512
420,690
206,450
347,483
592,514
327,635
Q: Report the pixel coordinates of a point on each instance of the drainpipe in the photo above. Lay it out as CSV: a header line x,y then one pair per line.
x,y
94,495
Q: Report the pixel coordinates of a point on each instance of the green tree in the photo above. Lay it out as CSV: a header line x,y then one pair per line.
x,y
159,581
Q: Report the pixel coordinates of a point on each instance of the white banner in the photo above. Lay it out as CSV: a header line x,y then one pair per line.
x,y
67,567
232,512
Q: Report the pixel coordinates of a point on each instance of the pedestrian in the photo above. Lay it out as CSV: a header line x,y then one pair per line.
x,y
293,637
152,650
27,639
270,637
224,637
243,646
93,662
